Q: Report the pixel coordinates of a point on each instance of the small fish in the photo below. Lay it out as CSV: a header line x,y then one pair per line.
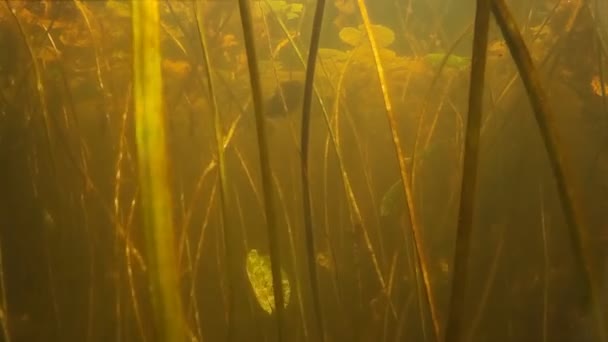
x,y
292,93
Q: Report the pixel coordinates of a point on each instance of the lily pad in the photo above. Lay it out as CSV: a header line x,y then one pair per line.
x,y
259,273
290,11
357,36
453,61
332,55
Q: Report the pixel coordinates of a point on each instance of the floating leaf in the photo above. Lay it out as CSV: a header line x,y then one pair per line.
x,y
453,61
333,55
277,6
259,273
356,36
295,11
282,8
350,36
366,56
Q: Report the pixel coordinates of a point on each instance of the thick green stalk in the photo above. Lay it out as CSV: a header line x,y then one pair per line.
x,y
153,171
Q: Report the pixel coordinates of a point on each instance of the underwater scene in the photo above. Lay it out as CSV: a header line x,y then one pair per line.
x,y
304,170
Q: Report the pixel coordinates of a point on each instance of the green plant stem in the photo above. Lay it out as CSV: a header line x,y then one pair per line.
x,y
153,171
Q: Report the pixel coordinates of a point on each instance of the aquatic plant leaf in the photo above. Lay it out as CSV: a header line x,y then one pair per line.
x,y
384,36
453,61
350,36
277,6
332,55
365,55
259,273
356,36
290,11
294,11
393,200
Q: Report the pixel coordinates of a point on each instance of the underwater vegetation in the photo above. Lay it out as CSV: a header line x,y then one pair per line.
x,y
287,170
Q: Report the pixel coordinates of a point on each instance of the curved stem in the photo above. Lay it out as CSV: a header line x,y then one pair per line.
x,y
545,118
307,101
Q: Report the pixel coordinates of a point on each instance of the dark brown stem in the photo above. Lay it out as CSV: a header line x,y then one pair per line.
x,y
469,176
545,118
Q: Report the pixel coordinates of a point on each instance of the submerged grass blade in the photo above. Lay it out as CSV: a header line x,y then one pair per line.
x,y
422,263
256,89
3,303
545,118
354,209
223,182
456,314
294,264
153,170
41,90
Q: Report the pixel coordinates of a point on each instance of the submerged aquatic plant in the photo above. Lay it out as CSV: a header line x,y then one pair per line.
x,y
259,273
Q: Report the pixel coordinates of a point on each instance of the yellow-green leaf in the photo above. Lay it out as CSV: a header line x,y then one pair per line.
x,y
453,61
332,55
260,276
350,36
357,36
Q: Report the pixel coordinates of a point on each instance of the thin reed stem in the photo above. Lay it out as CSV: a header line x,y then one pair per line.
x,y
223,181
307,102
256,89
413,216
